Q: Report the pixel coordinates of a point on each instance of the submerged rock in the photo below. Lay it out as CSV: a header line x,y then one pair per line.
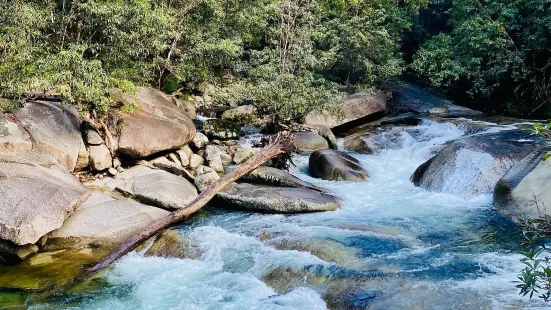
x,y
308,141
525,191
277,199
472,166
352,108
173,244
159,124
157,187
36,195
336,166
273,176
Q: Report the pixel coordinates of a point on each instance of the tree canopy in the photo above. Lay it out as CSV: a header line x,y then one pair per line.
x,y
287,56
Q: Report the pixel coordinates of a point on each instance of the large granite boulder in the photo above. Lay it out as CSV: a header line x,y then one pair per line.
x,y
410,97
13,137
273,176
159,124
336,166
472,166
352,108
272,199
309,141
156,187
36,196
54,130
105,221
525,191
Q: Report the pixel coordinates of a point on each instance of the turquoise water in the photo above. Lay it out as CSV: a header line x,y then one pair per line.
x,y
390,246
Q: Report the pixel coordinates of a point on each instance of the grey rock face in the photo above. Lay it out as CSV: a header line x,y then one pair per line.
x,y
273,176
102,219
352,108
37,194
159,125
277,199
308,141
158,188
472,166
100,157
525,191
54,130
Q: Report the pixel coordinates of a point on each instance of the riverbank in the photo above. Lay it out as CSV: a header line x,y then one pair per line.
x,y
389,241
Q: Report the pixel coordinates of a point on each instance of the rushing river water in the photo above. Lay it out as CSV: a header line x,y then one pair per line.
x,y
390,246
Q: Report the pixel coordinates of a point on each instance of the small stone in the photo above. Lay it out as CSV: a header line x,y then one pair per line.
x,y
184,158
100,157
116,163
187,150
120,169
174,158
226,159
113,171
200,140
212,155
195,161
205,177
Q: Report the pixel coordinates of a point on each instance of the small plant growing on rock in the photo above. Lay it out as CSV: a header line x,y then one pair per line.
x,y
535,278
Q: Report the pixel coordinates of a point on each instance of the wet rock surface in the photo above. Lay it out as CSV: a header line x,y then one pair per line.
x,y
336,166
472,166
525,191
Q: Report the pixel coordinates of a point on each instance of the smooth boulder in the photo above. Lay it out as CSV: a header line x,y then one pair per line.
x,y
472,166
336,166
525,191
157,187
350,109
272,199
13,137
158,125
105,221
309,141
273,176
36,196
54,130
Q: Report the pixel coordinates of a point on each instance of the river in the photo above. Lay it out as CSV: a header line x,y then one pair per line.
x,y
391,246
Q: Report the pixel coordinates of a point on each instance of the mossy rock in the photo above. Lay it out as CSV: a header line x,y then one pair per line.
x,y
222,129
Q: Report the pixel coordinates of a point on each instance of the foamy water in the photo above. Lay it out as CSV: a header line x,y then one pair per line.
x,y
391,246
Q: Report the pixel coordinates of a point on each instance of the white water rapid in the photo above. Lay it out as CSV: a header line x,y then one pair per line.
x,y
391,246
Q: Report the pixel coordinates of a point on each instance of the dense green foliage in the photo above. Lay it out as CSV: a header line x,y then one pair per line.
x,y
536,276
286,56
496,51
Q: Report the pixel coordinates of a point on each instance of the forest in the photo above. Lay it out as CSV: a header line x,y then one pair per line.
x,y
284,56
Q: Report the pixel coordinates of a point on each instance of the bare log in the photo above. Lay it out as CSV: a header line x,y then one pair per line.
x,y
279,144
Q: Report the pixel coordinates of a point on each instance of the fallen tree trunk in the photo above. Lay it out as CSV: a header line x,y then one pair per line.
x,y
278,144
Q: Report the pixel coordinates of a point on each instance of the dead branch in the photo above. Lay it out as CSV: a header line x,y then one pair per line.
x,y
278,144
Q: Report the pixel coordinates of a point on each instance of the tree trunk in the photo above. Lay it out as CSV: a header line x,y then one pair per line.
x,y
278,144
